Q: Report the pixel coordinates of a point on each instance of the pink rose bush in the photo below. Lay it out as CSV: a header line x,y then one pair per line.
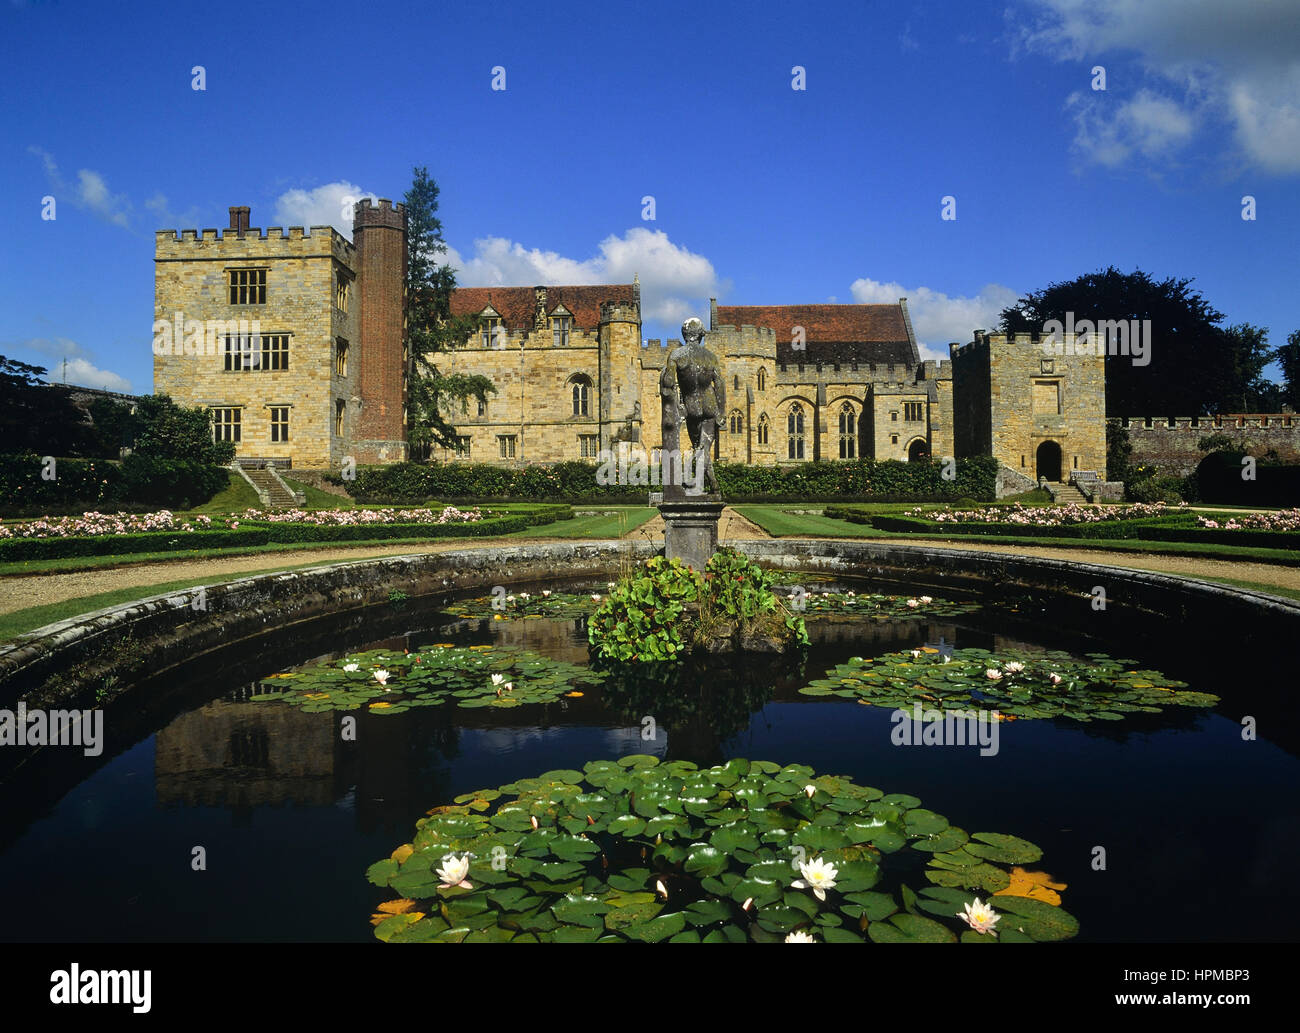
x,y
1283,520
90,525
1047,516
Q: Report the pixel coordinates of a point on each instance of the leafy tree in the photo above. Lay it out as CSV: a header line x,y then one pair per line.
x,y
165,430
1196,366
1288,357
35,417
1248,390
430,326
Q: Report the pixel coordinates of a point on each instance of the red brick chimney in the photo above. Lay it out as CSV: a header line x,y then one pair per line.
x,y
239,219
379,233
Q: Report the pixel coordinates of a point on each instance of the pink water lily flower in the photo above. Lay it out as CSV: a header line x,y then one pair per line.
x,y
993,674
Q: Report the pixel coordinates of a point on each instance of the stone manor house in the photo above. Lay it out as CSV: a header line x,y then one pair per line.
x,y
295,341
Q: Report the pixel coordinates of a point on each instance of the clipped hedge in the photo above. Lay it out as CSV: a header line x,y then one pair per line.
x,y
883,480
137,481
1151,530
252,534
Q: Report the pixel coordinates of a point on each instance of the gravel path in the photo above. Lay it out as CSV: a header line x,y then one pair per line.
x,y
20,592
1187,566
17,592
731,527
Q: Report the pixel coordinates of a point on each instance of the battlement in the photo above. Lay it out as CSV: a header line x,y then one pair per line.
x,y
1205,424
619,312
241,242
365,214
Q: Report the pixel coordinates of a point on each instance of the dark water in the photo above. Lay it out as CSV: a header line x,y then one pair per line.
x,y
1198,824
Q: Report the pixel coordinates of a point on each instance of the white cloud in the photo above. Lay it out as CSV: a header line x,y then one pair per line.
x,y
166,219
675,282
81,368
1214,61
86,374
1148,124
328,205
938,318
91,192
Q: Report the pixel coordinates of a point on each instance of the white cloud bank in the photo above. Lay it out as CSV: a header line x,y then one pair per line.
x,y
1208,63
939,318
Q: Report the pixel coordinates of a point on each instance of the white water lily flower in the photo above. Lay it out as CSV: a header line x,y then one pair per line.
x,y
1055,679
818,876
1014,667
980,917
913,603
545,592
382,677
454,871
916,653
509,686
799,936
610,584
810,790
595,598
993,674
927,599
351,667
524,595
497,679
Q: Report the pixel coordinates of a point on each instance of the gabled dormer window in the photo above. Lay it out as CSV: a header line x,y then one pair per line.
x,y
491,332
560,330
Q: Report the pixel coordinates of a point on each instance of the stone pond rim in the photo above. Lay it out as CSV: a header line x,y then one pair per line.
x,y
1148,609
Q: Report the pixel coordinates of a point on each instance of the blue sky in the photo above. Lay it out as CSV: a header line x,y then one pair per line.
x,y
763,194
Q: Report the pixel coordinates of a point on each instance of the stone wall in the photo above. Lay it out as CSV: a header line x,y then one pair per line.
x,y
1170,443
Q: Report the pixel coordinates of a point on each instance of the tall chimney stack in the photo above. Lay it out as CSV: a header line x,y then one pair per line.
x,y
239,218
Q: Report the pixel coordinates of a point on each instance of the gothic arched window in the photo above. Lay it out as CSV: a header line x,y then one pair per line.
x,y
762,429
794,431
581,395
848,432
736,424
762,380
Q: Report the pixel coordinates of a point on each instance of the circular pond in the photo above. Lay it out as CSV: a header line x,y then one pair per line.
x,y
1087,788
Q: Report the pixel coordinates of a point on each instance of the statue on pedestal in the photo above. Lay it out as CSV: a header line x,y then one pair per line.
x,y
693,372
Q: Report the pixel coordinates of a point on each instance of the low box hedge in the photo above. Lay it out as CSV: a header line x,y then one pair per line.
x,y
1159,529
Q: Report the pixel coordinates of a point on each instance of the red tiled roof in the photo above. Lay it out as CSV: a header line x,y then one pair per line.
x,y
834,333
516,304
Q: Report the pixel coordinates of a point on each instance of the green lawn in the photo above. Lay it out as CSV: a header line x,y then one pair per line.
x,y
317,499
785,519
606,522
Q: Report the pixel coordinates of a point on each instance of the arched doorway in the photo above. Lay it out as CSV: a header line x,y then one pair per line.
x,y
1047,461
917,451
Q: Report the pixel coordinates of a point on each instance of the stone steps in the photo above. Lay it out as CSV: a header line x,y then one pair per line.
x,y
1067,495
273,491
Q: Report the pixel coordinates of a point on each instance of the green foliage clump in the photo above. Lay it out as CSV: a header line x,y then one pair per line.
x,y
638,851
886,480
665,608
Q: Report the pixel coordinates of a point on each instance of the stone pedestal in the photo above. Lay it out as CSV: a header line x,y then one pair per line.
x,y
691,527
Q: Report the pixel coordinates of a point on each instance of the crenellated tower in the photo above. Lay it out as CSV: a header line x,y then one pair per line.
x,y
621,404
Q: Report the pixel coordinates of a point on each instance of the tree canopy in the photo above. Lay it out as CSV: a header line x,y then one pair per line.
x,y
433,397
1196,366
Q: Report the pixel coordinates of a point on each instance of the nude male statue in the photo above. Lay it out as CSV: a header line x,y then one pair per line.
x,y
692,369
